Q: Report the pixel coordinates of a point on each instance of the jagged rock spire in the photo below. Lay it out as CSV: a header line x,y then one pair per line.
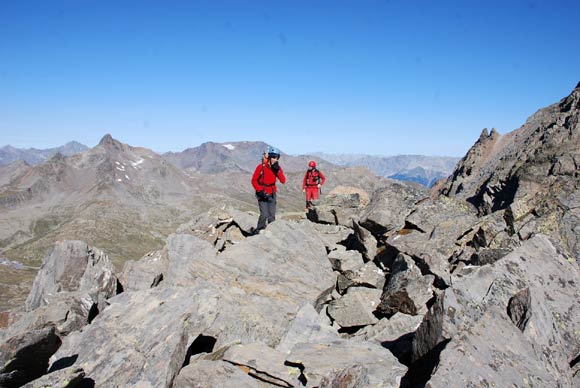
x,y
108,142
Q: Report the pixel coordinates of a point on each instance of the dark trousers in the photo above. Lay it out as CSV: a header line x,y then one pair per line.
x,y
267,211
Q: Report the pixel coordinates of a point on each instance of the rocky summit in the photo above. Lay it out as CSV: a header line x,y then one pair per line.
x,y
474,283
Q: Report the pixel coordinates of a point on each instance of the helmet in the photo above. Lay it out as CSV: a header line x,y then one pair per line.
x,y
312,163
273,152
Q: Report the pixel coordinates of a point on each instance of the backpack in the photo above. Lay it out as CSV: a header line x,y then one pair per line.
x,y
312,177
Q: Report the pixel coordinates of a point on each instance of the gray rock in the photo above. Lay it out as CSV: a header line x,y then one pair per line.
x,y
356,307
351,377
332,235
520,308
189,258
145,273
390,329
264,363
141,338
73,266
390,206
307,326
64,378
535,165
369,275
213,226
264,280
322,361
25,357
71,311
483,344
337,209
343,260
431,233
406,291
215,374
366,241
488,256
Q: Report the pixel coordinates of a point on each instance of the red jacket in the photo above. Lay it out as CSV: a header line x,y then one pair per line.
x,y
313,178
266,180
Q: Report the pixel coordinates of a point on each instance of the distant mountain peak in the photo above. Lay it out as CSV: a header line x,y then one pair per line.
x,y
109,143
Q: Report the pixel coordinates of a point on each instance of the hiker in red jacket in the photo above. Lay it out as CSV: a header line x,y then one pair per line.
x,y
313,180
264,182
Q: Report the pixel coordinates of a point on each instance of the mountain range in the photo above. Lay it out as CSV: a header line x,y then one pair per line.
x,y
128,199
9,154
425,170
214,157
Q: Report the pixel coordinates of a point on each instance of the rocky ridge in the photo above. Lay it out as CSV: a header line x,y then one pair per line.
x,y
218,306
405,289
530,175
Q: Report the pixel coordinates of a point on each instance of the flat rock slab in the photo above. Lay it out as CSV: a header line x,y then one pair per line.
x,y
215,374
264,363
321,360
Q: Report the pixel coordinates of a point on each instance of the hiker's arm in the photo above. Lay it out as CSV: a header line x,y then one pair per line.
x,y
281,176
322,178
257,186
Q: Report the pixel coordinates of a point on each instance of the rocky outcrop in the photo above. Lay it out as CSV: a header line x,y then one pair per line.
x,y
531,173
73,266
72,286
248,305
513,321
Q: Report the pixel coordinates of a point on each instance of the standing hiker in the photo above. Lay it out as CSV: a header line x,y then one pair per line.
x,y
313,180
264,182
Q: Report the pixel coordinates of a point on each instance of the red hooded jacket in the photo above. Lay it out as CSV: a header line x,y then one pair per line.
x,y
313,178
265,179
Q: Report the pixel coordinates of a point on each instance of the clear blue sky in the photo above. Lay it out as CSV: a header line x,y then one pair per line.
x,y
367,76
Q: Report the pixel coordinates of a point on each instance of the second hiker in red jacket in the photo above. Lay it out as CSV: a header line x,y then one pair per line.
x,y
264,182
313,180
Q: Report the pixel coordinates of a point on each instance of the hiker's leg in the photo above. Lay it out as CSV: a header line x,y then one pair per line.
x,y
264,211
272,208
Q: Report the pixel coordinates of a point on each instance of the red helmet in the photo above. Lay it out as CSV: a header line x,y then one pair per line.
x,y
312,163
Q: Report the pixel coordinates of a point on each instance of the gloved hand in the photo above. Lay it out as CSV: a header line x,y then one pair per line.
x,y
275,168
261,195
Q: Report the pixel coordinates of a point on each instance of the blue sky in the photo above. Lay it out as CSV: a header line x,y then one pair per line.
x,y
367,76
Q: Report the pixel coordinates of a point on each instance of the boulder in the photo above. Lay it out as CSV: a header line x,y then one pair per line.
x,y
25,357
337,208
343,260
204,373
141,339
263,363
390,329
328,360
431,233
64,378
478,333
366,242
356,307
407,291
389,206
369,275
73,266
307,326
144,273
